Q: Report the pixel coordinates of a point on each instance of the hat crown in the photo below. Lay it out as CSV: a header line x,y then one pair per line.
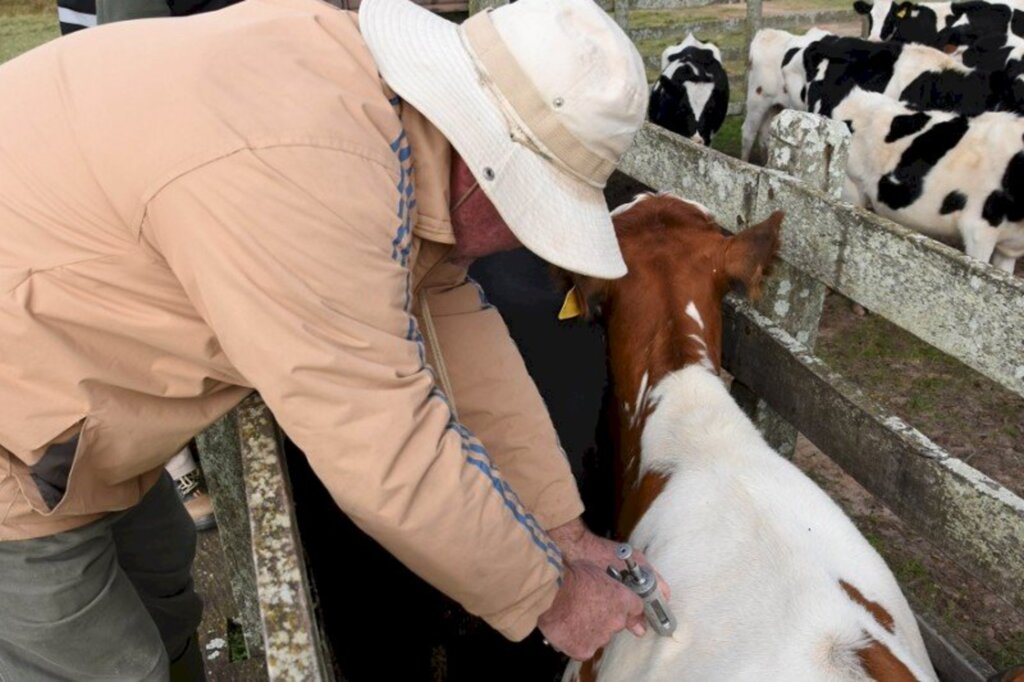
x,y
583,65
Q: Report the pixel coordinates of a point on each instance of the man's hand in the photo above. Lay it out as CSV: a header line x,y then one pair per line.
x,y
590,607
579,544
588,610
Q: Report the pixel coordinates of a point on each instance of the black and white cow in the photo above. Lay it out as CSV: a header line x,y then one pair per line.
x,y
770,51
817,71
939,24
942,174
918,75
691,96
994,52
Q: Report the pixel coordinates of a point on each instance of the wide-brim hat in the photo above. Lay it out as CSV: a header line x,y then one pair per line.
x,y
540,98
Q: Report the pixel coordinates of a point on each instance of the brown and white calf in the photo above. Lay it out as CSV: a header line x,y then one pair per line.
x,y
770,580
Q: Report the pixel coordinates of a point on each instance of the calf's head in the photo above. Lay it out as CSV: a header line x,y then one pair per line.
x,y
666,313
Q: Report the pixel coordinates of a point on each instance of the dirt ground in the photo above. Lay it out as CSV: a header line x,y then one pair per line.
x,y
970,416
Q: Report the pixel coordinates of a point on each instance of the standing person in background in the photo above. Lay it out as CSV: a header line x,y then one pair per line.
x,y
74,15
120,10
108,11
181,8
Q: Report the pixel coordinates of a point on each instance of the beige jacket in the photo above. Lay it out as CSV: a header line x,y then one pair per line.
x,y
191,209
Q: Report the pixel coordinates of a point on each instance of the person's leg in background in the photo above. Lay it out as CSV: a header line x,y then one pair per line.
x,y
156,545
122,10
112,600
74,15
188,478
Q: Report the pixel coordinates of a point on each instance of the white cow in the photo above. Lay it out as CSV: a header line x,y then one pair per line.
x,y
765,86
941,174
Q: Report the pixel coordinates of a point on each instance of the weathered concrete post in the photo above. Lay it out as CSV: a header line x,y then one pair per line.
x,y
813,150
754,22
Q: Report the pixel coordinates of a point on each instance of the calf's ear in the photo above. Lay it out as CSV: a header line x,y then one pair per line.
x,y
748,256
861,7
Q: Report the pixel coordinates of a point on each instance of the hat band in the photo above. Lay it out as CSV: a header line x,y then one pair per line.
x,y
540,122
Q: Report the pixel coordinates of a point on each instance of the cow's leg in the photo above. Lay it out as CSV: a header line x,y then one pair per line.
x,y
1004,262
757,109
979,239
852,193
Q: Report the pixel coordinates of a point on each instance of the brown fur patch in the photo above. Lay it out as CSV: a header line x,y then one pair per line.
x,y
882,666
636,503
874,608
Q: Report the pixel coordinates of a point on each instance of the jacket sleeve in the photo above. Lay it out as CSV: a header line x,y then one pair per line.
x,y
495,396
297,257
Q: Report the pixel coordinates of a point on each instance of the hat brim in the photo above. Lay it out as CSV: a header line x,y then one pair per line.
x,y
423,59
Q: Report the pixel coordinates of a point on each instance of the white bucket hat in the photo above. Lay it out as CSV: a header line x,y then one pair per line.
x,y
540,98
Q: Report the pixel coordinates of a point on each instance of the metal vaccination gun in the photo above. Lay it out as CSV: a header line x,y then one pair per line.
x,y
644,584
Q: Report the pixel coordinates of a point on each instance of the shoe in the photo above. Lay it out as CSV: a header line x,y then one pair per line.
x,y
193,495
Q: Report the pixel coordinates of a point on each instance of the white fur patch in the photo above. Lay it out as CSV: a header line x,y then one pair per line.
x,y
689,41
701,207
641,401
618,210
694,314
625,207
698,94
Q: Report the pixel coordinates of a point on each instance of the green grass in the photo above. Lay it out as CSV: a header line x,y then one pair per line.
x,y
648,18
1010,654
237,649
656,18
727,140
14,8
22,32
943,606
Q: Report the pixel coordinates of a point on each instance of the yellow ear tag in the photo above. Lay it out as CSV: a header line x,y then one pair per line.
x,y
902,13
571,306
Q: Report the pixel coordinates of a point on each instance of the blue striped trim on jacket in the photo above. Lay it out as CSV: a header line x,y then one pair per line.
x,y
476,454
